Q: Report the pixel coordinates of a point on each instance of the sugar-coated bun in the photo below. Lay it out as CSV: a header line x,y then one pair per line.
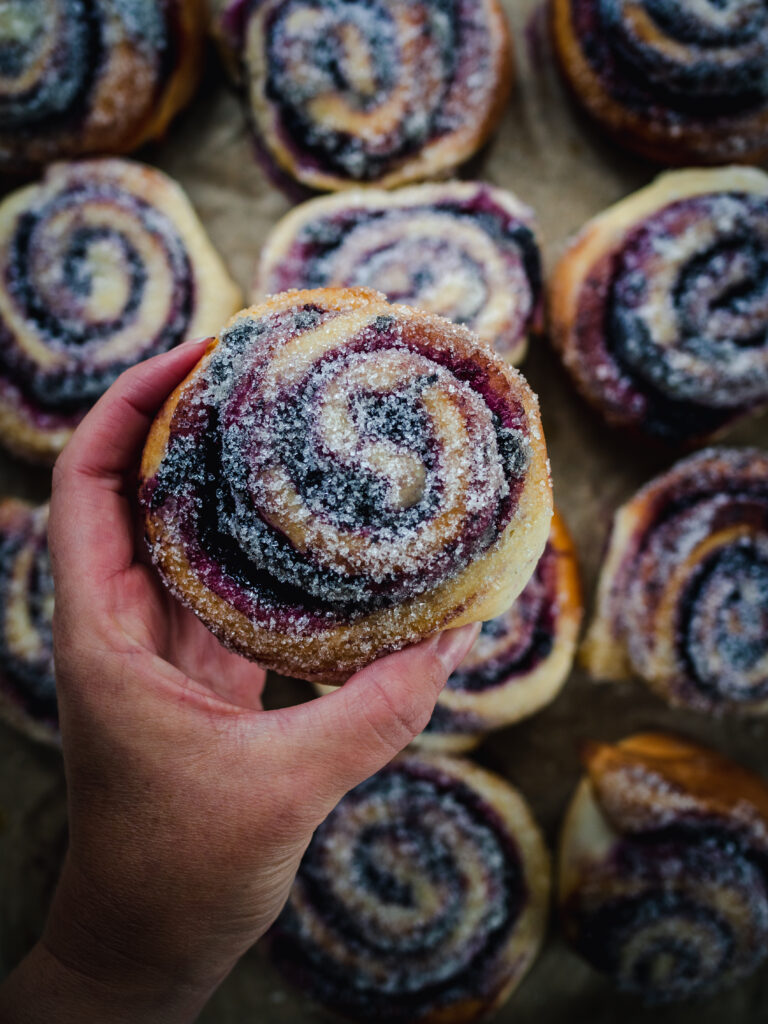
x,y
384,92
662,879
422,898
683,594
464,250
680,82
97,77
102,264
659,307
340,477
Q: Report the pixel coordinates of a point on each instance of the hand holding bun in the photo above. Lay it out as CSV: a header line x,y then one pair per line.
x,y
340,477
177,863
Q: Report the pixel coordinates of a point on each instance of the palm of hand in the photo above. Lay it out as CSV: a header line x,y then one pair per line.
x,y
144,611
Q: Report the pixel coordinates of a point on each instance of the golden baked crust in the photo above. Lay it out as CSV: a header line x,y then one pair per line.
x,y
644,782
661,883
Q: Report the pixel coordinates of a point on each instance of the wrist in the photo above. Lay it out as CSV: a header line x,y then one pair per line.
x,y
94,963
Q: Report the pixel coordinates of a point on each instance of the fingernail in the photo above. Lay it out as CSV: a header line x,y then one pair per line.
x,y
453,645
198,341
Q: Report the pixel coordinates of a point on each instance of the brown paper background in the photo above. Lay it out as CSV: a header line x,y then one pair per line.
x,y
547,154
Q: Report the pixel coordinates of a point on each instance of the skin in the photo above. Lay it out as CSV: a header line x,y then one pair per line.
x,y
189,805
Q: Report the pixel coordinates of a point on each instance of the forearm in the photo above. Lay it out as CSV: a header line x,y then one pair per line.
x,y
44,989
75,974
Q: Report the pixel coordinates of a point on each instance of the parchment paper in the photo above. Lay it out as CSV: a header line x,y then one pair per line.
x,y
556,162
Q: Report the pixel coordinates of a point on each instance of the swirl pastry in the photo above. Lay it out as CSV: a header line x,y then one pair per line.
x,y
660,306
27,687
340,477
102,264
663,882
84,77
683,594
80,77
679,82
463,250
422,898
387,91
521,659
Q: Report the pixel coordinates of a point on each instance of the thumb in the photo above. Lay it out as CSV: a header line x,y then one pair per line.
x,y
346,736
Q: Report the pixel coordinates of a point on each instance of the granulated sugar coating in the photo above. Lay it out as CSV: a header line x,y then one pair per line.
x,y
340,477
387,91
683,595
422,897
660,306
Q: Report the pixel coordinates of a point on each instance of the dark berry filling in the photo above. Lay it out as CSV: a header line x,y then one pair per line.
x,y
425,965
221,449
676,913
83,375
716,310
657,85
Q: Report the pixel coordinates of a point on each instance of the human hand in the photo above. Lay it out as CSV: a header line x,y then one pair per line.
x,y
189,805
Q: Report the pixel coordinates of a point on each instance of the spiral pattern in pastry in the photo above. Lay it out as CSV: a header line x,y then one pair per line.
x,y
27,687
683,595
660,306
680,82
422,898
663,883
463,250
81,77
521,659
387,91
102,264
340,477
